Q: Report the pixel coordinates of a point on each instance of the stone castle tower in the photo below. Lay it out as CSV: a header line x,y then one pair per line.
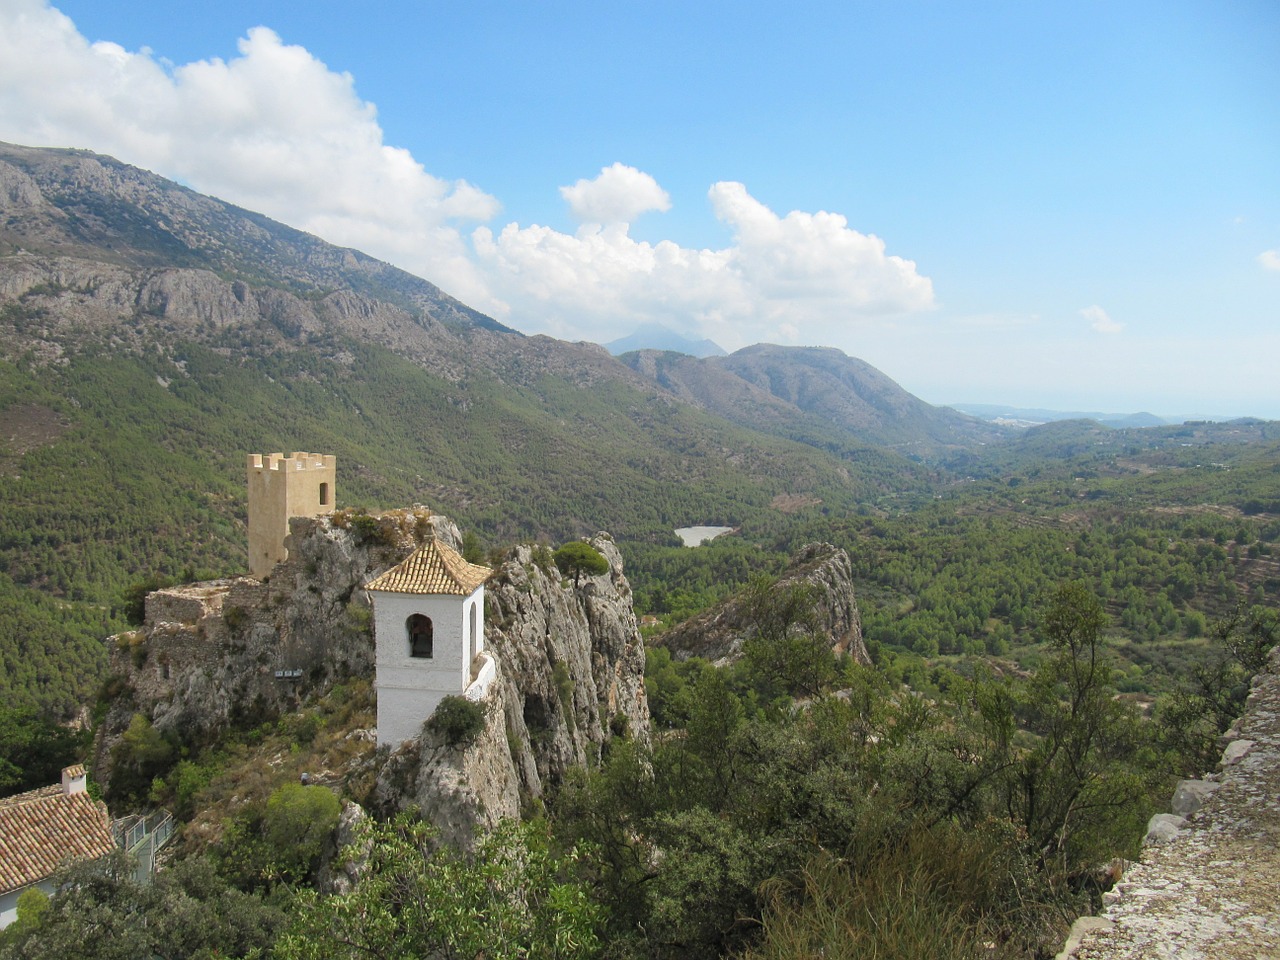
x,y
280,487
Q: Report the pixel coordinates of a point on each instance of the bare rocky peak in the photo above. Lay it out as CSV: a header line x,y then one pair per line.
x,y
19,193
719,633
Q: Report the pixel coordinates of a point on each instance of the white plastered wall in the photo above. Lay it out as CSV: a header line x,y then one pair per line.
x,y
410,688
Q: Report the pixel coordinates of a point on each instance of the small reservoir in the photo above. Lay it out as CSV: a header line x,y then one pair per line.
x,y
696,536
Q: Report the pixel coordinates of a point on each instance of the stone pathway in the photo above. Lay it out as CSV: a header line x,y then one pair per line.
x,y
1211,890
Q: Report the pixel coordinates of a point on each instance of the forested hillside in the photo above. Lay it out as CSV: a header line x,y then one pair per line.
x,y
130,391
1061,621
143,474
1169,537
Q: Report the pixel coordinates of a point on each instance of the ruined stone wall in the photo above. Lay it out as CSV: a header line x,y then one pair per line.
x,y
1208,884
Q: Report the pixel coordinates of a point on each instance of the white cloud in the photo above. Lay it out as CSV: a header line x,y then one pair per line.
x,y
799,278
618,195
275,130
815,257
1270,259
1099,321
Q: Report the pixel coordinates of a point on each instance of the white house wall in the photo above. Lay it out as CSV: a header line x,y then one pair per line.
x,y
9,901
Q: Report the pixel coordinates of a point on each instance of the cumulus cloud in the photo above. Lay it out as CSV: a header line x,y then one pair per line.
x,y
275,130
815,257
799,278
618,195
272,129
1099,321
1270,259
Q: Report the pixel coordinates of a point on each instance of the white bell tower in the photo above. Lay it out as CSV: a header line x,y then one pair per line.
x,y
428,625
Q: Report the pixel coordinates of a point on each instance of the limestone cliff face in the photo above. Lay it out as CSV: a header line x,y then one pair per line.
x,y
570,677
720,632
569,657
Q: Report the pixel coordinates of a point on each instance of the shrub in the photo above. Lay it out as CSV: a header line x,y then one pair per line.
x,y
236,618
564,692
282,840
542,558
365,527
142,754
458,720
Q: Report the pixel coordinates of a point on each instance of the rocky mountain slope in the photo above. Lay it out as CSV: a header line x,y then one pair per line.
x,y
88,243
79,205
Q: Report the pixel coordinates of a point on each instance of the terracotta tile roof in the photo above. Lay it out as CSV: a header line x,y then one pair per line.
x,y
434,567
40,829
53,791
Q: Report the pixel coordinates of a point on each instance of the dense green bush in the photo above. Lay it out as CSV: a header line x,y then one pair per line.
x,y
281,841
99,911
142,754
458,720
879,821
34,749
513,899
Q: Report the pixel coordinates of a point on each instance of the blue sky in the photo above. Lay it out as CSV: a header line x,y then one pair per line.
x,y
1071,205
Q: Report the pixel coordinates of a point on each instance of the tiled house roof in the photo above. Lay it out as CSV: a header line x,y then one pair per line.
x,y
433,568
42,828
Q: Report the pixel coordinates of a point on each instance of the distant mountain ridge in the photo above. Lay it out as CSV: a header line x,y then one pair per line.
x,y
654,336
164,253
817,394
1032,416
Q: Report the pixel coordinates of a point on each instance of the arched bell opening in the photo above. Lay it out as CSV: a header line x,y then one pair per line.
x,y
421,636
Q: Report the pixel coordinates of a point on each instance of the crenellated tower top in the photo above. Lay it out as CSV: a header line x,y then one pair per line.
x,y
280,487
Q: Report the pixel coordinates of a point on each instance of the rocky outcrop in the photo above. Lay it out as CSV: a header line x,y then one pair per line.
x,y
1207,884
234,652
570,677
75,204
463,790
570,664
719,633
